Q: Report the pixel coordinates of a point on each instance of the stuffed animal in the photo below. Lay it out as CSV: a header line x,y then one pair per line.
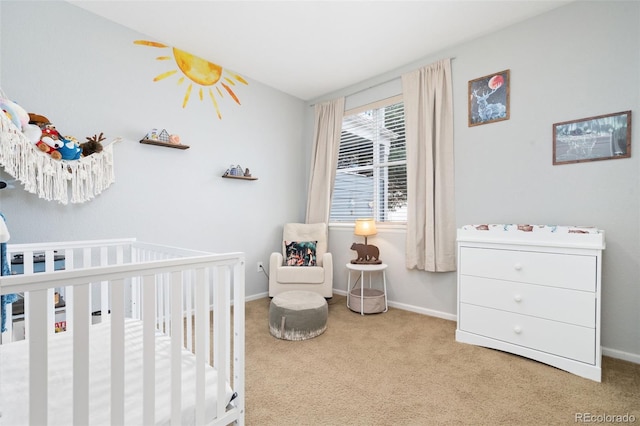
x,y
92,145
50,142
70,149
18,116
50,138
32,132
63,147
39,120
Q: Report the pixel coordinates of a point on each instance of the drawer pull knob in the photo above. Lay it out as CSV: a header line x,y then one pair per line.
x,y
517,298
517,329
517,266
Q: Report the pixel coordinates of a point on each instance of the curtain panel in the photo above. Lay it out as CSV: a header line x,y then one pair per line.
x,y
431,231
324,160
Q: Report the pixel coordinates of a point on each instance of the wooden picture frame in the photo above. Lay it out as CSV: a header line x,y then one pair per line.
x,y
489,98
602,137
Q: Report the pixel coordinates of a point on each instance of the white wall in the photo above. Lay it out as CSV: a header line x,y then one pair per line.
x,y
578,61
85,74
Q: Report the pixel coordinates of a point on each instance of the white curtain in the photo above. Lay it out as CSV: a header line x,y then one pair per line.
x,y
431,230
324,160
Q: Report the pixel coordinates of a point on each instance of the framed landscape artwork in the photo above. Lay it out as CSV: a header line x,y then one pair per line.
x,y
602,137
489,98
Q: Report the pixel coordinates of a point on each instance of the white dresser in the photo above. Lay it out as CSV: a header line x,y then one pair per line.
x,y
534,292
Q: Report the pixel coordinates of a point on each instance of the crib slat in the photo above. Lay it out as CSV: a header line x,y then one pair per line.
x,y
27,262
81,318
104,285
238,336
176,347
201,323
117,352
51,311
221,333
189,308
206,287
166,315
69,265
159,302
38,357
148,350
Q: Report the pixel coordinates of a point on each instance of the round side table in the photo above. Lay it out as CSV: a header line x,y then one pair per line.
x,y
366,294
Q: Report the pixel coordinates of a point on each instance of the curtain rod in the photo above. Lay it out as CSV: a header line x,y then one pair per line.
x,y
366,88
373,85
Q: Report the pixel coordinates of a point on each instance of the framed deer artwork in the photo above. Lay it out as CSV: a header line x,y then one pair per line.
x,y
489,98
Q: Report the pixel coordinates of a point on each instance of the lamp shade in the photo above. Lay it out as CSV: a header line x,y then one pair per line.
x,y
365,227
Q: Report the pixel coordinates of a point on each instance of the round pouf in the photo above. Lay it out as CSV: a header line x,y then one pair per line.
x,y
298,315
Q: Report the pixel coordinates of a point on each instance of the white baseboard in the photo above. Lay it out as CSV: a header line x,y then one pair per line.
x,y
423,311
411,308
625,356
256,296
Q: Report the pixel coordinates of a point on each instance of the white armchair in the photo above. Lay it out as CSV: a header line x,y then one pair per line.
x,y
286,270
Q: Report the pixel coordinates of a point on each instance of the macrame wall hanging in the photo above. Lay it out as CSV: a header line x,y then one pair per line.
x,y
65,181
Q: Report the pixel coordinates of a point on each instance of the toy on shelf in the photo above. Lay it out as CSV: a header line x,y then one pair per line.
x,y
163,138
237,172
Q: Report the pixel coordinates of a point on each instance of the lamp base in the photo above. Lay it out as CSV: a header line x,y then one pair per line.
x,y
366,262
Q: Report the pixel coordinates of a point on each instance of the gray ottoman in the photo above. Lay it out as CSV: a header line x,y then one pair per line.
x,y
298,315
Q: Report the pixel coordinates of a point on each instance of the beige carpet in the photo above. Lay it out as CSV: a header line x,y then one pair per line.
x,y
402,368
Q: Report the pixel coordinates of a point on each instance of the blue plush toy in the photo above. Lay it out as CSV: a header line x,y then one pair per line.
x,y
70,149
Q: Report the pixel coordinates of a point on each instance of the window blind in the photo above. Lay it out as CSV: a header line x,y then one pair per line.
x,y
371,176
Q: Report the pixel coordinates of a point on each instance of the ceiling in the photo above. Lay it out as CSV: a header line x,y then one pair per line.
x,y
312,48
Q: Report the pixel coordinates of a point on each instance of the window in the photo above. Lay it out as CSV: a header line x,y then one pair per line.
x,y
371,178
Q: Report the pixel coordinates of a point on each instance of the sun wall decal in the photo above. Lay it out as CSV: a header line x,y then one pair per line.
x,y
210,78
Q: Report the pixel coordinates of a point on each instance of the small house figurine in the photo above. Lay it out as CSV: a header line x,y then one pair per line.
x,y
164,136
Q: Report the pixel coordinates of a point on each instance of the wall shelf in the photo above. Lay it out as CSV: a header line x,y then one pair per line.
x,y
168,145
240,177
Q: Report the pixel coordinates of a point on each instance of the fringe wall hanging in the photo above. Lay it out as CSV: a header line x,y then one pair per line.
x,y
74,181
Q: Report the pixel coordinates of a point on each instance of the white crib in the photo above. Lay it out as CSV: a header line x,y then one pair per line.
x,y
148,355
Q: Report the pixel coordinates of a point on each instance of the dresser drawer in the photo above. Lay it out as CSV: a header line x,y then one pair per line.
x,y
558,338
553,303
551,269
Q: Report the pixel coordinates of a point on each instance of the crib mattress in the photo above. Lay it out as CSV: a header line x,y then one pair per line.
x,y
14,380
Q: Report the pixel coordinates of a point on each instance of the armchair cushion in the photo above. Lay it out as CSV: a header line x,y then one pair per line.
x,y
318,277
295,275
300,253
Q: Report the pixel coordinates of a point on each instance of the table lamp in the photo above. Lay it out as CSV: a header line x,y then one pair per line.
x,y
367,254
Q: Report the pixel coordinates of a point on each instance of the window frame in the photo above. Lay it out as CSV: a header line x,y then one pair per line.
x,y
375,168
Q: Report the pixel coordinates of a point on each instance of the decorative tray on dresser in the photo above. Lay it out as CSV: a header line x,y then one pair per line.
x,y
534,291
